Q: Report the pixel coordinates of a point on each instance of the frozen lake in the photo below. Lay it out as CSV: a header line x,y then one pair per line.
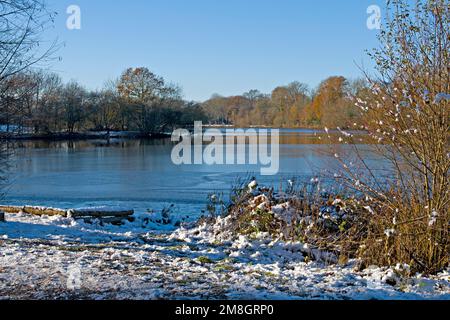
x,y
139,174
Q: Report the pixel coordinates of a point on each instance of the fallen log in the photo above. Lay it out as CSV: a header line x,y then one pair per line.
x,y
38,211
11,209
98,213
89,215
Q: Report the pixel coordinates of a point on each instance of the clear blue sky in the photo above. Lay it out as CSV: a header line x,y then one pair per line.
x,y
215,46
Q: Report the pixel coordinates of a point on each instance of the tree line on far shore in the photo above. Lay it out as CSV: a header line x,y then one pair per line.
x,y
37,102
40,103
332,104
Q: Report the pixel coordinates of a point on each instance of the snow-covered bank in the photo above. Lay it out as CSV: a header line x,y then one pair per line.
x,y
54,257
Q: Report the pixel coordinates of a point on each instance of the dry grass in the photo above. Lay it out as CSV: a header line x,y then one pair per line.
x,y
407,113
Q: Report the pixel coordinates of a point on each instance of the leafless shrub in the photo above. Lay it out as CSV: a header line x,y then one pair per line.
x,y
407,115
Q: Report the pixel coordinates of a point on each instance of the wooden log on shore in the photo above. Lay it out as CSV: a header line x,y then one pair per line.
x,y
11,209
89,215
38,211
98,213
75,213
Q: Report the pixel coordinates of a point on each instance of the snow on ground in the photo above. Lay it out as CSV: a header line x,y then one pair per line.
x,y
60,258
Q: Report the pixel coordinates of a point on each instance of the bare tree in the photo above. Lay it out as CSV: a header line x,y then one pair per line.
x,y
47,112
74,101
22,23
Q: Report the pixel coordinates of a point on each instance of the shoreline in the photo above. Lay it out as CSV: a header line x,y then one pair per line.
x,y
152,257
130,135
135,263
81,136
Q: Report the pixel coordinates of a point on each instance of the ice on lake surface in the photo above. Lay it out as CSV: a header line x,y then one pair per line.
x,y
139,174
